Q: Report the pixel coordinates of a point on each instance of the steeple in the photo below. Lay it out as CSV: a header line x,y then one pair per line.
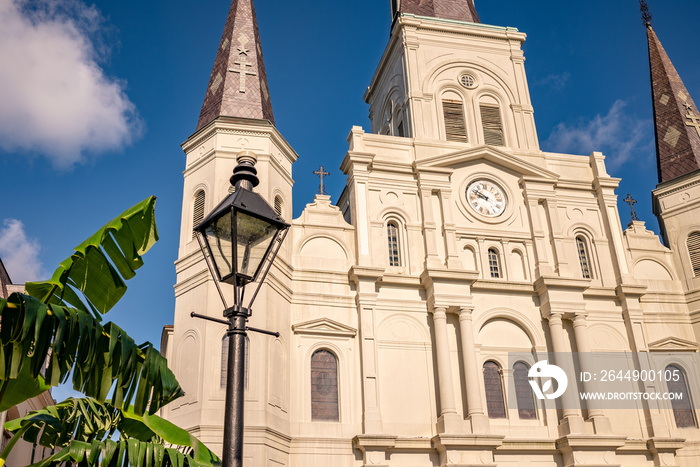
x,y
238,82
461,10
676,118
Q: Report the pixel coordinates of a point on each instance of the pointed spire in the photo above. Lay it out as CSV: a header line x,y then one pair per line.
x,y
238,82
460,10
676,118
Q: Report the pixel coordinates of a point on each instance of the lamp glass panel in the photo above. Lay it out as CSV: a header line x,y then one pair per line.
x,y
254,235
220,245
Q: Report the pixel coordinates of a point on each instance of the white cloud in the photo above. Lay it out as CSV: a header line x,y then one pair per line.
x,y
19,253
618,135
56,99
555,82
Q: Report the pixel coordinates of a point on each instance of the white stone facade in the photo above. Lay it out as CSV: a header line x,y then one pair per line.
x,y
412,331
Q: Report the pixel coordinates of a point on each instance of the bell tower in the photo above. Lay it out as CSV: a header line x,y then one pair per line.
x,y
236,120
444,76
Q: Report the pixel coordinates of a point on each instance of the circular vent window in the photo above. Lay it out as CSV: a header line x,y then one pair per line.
x,y
467,81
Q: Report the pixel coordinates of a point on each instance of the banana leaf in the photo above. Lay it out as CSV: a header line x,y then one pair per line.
x,y
47,342
80,430
92,278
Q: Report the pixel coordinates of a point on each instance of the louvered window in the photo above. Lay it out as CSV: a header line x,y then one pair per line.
x,y
494,263
393,238
493,386
523,392
694,251
198,209
491,122
682,407
324,386
278,205
455,128
583,258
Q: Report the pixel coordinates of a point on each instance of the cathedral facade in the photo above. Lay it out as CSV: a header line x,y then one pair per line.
x,y
456,244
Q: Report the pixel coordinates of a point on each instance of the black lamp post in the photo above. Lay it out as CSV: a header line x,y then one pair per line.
x,y
239,240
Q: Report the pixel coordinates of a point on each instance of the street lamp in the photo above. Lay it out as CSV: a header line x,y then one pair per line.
x,y
240,239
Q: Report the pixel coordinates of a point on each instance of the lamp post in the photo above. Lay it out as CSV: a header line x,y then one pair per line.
x,y
240,239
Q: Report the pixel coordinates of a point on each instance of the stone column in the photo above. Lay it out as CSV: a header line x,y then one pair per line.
x,y
449,421
601,423
472,376
571,421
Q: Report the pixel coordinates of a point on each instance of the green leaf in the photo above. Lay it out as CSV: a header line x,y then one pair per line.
x,y
24,387
100,265
79,429
73,340
173,434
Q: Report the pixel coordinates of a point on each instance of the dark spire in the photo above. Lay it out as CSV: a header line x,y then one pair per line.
x,y
461,10
238,82
676,118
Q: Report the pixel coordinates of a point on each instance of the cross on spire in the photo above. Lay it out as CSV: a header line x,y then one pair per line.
x,y
631,201
243,70
644,8
320,173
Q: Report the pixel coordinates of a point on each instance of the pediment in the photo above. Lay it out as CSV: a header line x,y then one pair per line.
x,y
675,344
490,154
324,327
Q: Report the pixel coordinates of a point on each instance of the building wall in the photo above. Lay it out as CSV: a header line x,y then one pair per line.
x,y
411,334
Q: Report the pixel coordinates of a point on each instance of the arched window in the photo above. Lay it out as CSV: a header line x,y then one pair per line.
x,y
278,205
493,386
455,126
224,362
198,209
324,386
583,257
392,232
491,125
494,263
523,392
694,252
682,407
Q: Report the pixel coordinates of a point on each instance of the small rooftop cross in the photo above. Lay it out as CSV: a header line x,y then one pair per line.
x,y
631,201
321,173
644,8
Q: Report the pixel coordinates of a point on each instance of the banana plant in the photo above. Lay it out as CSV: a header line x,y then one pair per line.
x,y
83,432
55,330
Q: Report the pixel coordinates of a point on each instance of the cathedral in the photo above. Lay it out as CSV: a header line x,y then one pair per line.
x,y
457,244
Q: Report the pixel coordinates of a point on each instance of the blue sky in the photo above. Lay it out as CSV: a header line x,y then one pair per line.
x,y
95,100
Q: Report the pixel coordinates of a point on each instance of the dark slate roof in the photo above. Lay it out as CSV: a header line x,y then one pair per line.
x,y
676,119
238,83
461,10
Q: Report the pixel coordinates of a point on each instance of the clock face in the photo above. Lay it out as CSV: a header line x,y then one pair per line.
x,y
486,198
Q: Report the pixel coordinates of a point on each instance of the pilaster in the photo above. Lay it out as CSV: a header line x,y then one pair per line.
x,y
365,280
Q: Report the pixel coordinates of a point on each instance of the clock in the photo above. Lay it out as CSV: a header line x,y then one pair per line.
x,y
486,198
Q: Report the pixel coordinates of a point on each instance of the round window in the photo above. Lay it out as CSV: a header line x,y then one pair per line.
x,y
467,81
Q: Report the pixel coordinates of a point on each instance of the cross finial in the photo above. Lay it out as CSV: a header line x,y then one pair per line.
x,y
646,16
631,201
321,173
